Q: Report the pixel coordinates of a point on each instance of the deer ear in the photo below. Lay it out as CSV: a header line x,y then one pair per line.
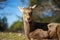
x,y
33,6
21,8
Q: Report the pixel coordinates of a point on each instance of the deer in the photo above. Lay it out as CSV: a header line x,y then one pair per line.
x,y
54,30
39,34
29,24
27,17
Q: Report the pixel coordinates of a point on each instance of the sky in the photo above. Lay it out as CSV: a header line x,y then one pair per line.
x,y
11,10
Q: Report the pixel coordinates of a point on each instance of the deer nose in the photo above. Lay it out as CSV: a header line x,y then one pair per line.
x,y
28,18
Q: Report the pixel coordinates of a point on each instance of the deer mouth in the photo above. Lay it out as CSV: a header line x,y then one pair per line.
x,y
28,20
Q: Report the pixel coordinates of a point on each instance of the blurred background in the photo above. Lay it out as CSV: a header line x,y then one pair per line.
x,y
11,17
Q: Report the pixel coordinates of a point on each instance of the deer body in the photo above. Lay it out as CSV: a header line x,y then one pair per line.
x,y
30,25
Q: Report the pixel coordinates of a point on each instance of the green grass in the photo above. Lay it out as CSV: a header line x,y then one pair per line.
x,y
12,36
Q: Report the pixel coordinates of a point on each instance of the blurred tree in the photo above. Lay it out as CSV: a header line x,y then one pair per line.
x,y
56,2
39,14
3,24
38,2
2,0
16,26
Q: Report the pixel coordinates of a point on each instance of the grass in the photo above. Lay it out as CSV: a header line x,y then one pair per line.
x,y
12,36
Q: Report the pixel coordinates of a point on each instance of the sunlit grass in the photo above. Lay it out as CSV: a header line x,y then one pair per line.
x,y
12,36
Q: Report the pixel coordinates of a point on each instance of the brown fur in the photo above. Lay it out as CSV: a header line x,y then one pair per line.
x,y
27,18
39,34
53,30
29,25
58,31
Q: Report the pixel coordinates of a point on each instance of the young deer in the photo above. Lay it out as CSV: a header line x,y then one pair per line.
x,y
29,25
27,18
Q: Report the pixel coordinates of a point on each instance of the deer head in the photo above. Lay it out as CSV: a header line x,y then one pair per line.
x,y
27,13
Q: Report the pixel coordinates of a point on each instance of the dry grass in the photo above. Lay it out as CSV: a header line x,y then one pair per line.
x,y
12,36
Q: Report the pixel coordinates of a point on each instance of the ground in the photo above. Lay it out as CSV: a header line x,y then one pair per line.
x,y
12,36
